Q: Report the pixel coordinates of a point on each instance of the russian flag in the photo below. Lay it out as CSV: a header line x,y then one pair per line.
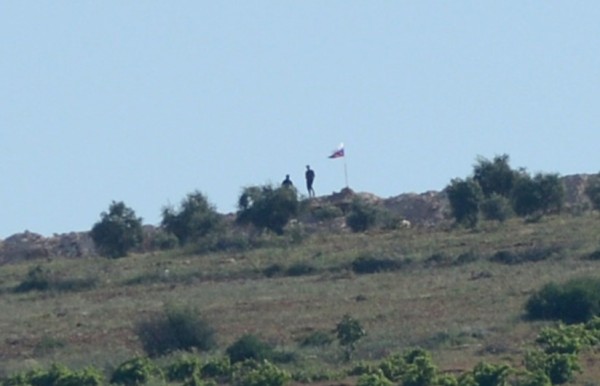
x,y
338,153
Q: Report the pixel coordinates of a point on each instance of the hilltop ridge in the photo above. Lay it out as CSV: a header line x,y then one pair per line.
x,y
427,209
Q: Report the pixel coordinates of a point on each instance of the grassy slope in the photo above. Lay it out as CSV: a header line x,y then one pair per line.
x,y
461,313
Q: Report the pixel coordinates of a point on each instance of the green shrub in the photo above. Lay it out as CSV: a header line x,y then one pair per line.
x,y
217,368
164,240
369,264
349,331
374,379
136,371
497,208
265,374
439,259
573,302
38,279
361,216
569,339
466,258
184,367
486,374
465,196
266,207
57,375
327,212
533,254
300,269
393,367
177,328
249,347
118,231
43,279
419,370
195,219
560,368
273,270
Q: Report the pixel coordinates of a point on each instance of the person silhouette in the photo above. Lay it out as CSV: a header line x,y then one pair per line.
x,y
310,177
287,183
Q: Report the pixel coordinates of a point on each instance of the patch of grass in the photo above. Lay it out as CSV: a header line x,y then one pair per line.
x,y
399,307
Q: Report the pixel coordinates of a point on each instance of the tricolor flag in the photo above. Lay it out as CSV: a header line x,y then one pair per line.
x,y
338,153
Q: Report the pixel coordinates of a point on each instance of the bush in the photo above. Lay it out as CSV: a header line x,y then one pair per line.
x,y
368,264
349,331
560,368
265,374
374,379
184,368
542,194
42,279
494,177
37,279
136,371
57,375
118,231
327,212
496,208
534,254
249,347
573,302
465,196
194,219
178,328
361,216
486,374
217,368
266,207
300,269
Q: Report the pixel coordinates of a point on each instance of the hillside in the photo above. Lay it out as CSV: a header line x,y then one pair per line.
x,y
428,209
444,289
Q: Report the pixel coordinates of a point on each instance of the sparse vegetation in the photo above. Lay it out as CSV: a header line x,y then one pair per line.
x,y
195,219
575,301
118,231
267,207
177,328
461,293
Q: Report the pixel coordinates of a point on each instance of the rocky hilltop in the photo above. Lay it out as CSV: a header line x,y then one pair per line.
x,y
424,210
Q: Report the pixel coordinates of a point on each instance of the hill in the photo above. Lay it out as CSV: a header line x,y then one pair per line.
x,y
449,290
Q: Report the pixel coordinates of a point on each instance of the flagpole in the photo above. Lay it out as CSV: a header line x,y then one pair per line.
x,y
346,173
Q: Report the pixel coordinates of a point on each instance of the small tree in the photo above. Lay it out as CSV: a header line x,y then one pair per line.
x,y
494,177
195,218
118,231
267,207
542,194
465,197
349,331
177,328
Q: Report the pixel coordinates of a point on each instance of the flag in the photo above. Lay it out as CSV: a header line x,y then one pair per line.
x,y
338,153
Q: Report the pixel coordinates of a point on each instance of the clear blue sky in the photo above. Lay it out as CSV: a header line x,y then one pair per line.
x,y
146,101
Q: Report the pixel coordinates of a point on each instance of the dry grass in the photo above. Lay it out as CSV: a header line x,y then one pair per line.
x,y
461,313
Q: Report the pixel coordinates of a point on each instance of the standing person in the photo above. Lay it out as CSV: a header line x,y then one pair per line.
x,y
287,183
310,177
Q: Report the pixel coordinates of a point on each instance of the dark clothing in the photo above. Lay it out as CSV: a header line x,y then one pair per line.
x,y
287,183
310,177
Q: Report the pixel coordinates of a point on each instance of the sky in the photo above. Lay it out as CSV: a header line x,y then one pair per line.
x,y
145,102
